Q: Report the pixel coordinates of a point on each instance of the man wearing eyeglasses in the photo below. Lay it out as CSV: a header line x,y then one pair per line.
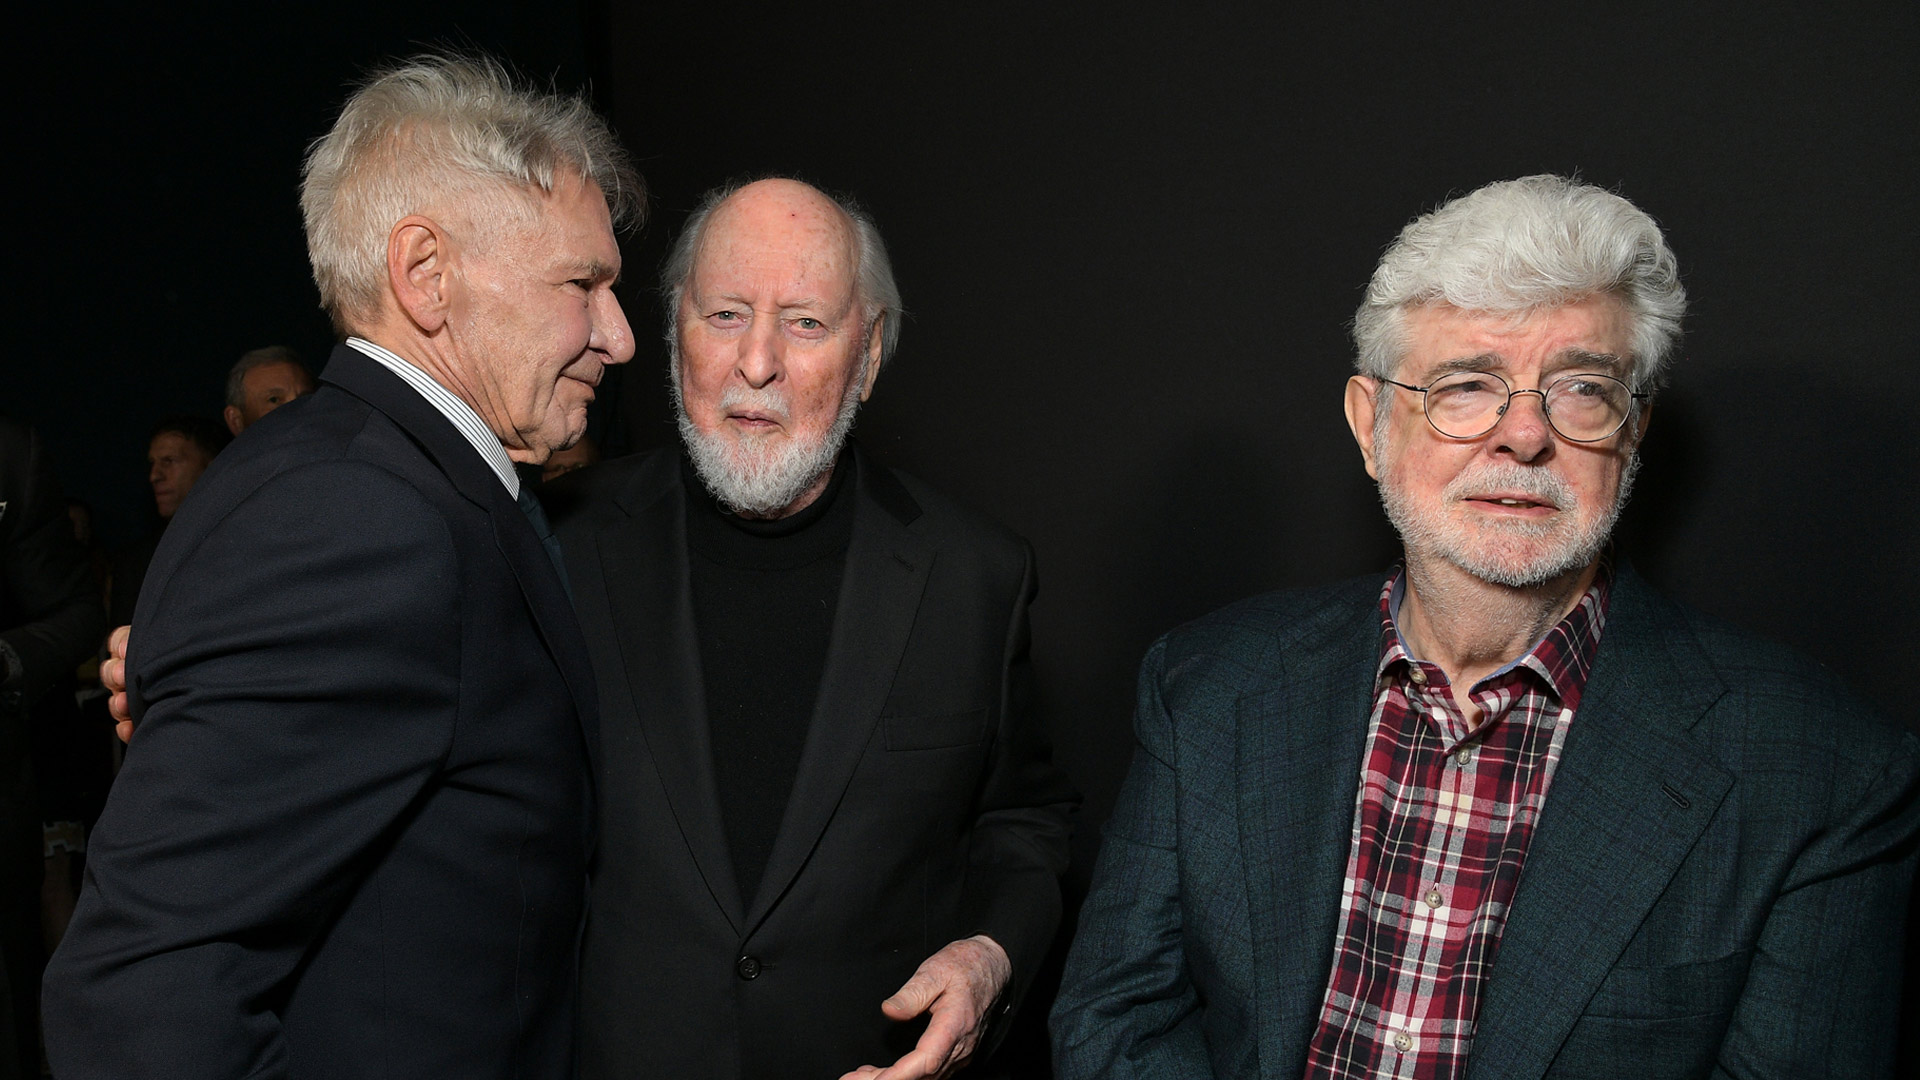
x,y
1507,811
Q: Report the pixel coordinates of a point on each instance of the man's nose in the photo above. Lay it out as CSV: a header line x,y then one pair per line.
x,y
1523,429
612,335
760,358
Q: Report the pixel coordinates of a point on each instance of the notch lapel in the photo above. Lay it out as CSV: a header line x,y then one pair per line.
x,y
1297,766
650,600
365,378
552,613
1609,839
886,573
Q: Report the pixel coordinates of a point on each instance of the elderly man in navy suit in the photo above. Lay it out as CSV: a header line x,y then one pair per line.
x,y
1506,812
351,839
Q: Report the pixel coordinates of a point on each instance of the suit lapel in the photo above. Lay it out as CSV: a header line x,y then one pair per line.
x,y
365,378
886,571
650,599
1297,771
1631,795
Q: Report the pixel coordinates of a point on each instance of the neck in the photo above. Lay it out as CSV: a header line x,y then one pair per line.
x,y
432,353
1473,628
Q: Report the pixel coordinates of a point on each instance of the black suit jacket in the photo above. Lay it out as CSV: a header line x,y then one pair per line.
x,y
925,808
351,835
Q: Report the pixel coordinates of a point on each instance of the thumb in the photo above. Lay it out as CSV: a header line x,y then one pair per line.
x,y
912,999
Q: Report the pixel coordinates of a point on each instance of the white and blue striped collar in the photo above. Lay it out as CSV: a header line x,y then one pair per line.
x,y
450,406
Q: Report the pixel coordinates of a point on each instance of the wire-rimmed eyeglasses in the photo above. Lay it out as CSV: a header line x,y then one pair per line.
x,y
1582,407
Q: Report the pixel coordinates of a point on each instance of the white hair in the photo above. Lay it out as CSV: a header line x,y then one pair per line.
x,y
433,128
874,286
1520,245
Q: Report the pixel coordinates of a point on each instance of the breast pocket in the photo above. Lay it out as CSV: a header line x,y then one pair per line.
x,y
935,731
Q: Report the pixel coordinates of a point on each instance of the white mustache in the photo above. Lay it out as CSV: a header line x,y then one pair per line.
x,y
766,400
1538,484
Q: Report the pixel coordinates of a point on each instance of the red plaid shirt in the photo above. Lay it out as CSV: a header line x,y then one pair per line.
x,y
1440,830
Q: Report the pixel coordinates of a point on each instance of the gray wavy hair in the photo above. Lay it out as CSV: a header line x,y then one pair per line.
x,y
435,127
1517,245
878,293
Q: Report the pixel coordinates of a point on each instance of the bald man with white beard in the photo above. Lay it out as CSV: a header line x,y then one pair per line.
x,y
827,811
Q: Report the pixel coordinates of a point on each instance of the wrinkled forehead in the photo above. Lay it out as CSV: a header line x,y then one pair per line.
x,y
783,244
1593,332
274,373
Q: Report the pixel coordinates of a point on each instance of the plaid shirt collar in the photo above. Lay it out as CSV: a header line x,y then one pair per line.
x,y
1560,660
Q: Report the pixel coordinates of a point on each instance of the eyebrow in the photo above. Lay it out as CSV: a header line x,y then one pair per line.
x,y
1566,359
597,270
813,302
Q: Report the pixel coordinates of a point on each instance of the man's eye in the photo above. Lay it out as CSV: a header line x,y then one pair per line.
x,y
807,324
724,316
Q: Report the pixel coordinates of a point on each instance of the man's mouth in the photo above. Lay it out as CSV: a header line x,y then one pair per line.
x,y
1514,502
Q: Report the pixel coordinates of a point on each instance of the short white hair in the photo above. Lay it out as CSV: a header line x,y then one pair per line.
x,y
433,127
1515,246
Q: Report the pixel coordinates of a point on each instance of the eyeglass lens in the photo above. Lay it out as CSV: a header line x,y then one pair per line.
x,y
1583,408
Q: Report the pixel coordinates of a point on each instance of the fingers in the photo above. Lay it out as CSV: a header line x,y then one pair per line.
x,y
113,676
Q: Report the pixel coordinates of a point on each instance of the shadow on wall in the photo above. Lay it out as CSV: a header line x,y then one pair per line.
x,y
1775,495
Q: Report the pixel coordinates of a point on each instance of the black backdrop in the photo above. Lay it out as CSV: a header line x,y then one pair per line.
x,y
1129,239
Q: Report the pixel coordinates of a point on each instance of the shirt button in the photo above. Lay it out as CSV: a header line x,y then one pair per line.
x,y
1414,673
1435,897
747,967
1402,1041
1464,757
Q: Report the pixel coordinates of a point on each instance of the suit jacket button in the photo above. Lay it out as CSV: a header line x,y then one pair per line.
x,y
747,967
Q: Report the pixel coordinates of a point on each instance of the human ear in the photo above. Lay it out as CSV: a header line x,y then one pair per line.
x,y
1360,403
876,341
233,418
419,271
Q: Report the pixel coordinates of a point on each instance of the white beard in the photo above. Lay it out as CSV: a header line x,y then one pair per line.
x,y
760,475
1517,554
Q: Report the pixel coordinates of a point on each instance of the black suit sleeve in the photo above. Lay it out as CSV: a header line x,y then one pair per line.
x,y
296,676
53,618
1025,818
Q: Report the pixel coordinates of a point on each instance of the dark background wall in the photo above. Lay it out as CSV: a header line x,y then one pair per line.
x,y
1129,239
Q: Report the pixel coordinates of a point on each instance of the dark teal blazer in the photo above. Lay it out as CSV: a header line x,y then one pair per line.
x,y
1717,886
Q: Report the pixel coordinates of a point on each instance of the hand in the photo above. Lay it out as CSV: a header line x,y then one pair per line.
x,y
113,676
955,986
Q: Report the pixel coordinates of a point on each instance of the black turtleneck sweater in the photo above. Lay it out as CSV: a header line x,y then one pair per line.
x,y
764,594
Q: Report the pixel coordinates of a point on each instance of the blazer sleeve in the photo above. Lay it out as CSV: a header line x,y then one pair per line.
x,y
1128,1006
1822,996
296,678
1024,818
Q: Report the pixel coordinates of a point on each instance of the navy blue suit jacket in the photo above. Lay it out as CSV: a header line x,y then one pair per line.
x,y
1716,887
351,835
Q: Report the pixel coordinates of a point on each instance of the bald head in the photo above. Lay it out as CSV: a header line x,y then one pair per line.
x,y
787,235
